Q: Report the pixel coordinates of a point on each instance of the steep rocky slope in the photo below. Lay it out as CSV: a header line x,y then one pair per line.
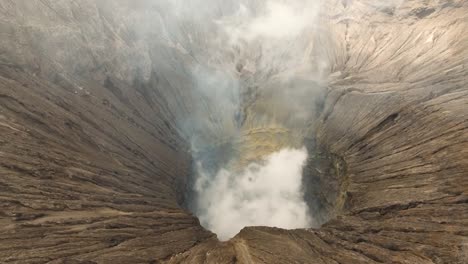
x,y
94,164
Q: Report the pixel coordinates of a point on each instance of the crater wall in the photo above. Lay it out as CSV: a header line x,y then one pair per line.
x,y
94,163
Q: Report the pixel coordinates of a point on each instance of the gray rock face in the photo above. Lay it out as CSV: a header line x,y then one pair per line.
x,y
95,152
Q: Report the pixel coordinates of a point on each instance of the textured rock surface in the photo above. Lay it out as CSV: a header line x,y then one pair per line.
x,y
93,166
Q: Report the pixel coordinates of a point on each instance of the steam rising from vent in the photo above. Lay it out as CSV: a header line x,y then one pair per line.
x,y
255,49
256,80
267,193
278,20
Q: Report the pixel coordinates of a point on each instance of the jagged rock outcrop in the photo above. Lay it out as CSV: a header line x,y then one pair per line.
x,y
93,164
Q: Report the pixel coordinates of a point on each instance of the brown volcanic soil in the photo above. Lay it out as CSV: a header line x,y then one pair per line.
x,y
93,169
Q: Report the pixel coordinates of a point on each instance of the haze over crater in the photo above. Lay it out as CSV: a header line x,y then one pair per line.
x,y
118,119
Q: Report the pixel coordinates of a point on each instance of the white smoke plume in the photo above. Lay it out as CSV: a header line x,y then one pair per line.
x,y
263,194
268,45
234,51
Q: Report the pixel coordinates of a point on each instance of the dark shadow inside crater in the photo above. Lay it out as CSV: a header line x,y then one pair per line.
x,y
324,183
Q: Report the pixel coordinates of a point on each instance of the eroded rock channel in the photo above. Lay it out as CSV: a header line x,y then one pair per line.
x,y
107,106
